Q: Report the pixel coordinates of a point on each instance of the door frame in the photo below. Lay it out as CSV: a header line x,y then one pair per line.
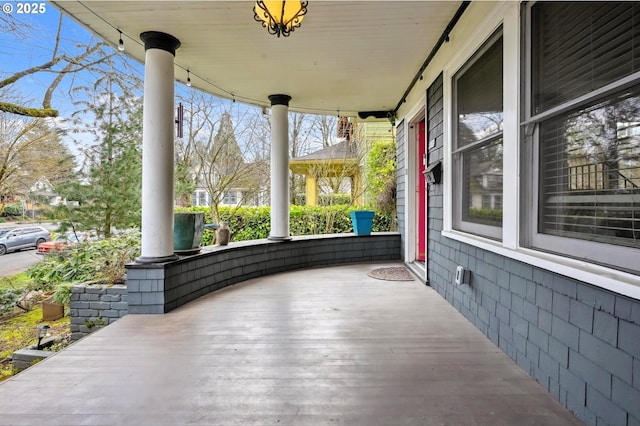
x,y
411,174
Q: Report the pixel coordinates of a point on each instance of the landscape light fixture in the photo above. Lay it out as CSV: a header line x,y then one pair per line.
x,y
43,329
120,42
188,78
280,17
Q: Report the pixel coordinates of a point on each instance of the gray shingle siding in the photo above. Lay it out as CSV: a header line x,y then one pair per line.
x,y
582,343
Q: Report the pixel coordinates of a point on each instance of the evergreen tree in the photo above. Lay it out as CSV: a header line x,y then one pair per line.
x,y
110,194
225,150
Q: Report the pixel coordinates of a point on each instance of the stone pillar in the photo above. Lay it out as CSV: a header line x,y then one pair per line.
x,y
279,167
157,148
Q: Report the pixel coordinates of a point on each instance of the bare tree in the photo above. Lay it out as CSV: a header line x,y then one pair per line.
x,y
201,116
30,148
327,128
227,161
308,133
59,65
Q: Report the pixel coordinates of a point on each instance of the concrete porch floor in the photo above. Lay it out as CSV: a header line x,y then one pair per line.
x,y
326,346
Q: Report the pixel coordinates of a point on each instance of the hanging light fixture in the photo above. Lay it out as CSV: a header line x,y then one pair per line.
x,y
280,17
188,78
120,42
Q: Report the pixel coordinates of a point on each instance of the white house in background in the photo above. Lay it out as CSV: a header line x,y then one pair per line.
x,y
42,190
254,194
231,198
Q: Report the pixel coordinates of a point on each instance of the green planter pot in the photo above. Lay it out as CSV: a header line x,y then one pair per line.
x,y
362,221
187,232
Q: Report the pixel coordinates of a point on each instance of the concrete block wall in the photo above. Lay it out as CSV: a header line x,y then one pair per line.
x,y
94,306
156,289
580,342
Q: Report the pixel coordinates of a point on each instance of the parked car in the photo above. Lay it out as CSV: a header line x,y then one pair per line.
x,y
62,242
18,238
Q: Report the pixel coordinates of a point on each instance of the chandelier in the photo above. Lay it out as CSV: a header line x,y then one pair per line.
x,y
280,17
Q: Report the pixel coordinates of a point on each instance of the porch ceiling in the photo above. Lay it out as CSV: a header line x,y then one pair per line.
x,y
348,56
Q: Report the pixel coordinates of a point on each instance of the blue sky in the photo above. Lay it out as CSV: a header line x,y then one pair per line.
x,y
19,52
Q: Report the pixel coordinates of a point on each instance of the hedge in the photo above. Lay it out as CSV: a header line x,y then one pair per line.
x,y
253,223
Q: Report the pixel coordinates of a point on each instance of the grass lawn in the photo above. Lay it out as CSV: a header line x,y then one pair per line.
x,y
20,280
18,328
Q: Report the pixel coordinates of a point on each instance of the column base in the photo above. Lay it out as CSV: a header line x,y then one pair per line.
x,y
161,259
272,238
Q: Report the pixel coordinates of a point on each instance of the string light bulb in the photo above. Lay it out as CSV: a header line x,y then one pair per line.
x,y
120,42
188,78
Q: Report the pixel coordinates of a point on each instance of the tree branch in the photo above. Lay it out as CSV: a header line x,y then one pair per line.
x,y
46,101
27,112
55,47
17,76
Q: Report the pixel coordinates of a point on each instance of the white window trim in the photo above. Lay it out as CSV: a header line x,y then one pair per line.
x,y
617,281
506,12
464,53
510,129
610,254
600,276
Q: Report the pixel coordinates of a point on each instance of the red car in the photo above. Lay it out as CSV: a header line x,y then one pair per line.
x,y
57,245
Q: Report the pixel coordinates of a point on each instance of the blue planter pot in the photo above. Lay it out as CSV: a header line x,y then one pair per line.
x,y
362,221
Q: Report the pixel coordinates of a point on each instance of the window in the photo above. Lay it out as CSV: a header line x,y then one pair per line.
x,y
584,120
230,198
200,197
478,97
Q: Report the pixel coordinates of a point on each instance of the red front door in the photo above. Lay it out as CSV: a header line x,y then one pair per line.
x,y
421,195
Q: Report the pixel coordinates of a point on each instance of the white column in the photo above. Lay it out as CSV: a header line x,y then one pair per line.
x,y
157,148
279,167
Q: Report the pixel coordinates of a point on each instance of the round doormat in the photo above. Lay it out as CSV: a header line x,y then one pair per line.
x,y
395,273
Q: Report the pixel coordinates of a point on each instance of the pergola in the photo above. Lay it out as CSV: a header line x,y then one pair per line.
x,y
338,161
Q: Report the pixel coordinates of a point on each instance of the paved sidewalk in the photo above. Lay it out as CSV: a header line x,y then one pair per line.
x,y
327,346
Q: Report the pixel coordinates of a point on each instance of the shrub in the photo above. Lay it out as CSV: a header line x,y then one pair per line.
x,y
8,299
12,210
253,223
62,295
334,199
103,260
